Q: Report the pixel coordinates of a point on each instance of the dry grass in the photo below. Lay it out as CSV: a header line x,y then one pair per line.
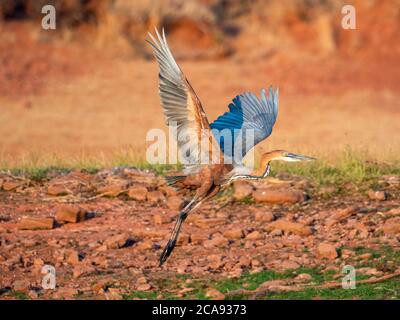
x,y
98,115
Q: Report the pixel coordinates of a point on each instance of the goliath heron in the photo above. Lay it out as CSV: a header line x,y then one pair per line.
x,y
247,114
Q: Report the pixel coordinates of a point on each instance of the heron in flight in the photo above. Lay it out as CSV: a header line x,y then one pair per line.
x,y
249,121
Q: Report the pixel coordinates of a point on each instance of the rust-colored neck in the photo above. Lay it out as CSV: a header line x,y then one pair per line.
x,y
265,159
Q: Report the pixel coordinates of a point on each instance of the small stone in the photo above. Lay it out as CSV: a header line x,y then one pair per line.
x,y
344,213
114,294
66,293
276,233
144,245
198,238
175,203
377,195
98,286
21,285
393,212
57,190
30,223
160,218
244,261
38,262
183,239
326,250
210,222
392,180
81,270
215,294
289,264
243,189
167,190
155,197
255,235
215,261
72,257
143,287
112,190
346,253
236,273
288,226
70,213
33,294
370,271
11,185
270,195
219,241
264,216
138,193
117,241
392,226
365,256
255,263
327,190
141,280
233,234
303,277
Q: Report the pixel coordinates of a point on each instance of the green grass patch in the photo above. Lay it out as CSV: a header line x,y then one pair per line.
x,y
384,259
20,295
349,166
346,167
389,289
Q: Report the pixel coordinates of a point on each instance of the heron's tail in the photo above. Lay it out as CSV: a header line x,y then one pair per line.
x,y
173,180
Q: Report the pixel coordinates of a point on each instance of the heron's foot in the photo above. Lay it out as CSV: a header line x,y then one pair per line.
x,y
167,251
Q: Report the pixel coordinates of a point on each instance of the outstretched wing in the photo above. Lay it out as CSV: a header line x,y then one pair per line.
x,y
182,108
249,121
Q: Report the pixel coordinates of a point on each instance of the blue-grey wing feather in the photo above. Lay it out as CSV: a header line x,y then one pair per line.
x,y
247,115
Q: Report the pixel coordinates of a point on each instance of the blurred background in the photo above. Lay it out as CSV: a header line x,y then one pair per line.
x,y
89,88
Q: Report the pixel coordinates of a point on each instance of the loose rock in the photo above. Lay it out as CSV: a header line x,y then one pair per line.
x,y
138,193
270,195
288,226
70,213
377,195
242,189
57,190
30,223
175,203
21,285
264,216
112,190
326,250
214,294
255,235
116,242
233,234
155,197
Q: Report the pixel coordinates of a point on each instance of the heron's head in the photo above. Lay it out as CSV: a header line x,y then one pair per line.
x,y
281,155
284,156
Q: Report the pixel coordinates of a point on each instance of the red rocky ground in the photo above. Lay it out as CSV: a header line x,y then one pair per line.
x,y
104,232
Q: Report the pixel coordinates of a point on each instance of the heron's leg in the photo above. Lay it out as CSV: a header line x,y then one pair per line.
x,y
177,228
195,203
267,170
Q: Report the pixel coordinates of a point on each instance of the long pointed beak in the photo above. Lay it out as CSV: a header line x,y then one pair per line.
x,y
299,157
